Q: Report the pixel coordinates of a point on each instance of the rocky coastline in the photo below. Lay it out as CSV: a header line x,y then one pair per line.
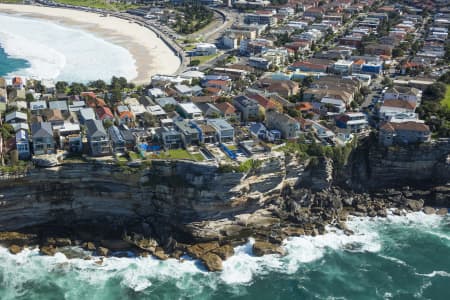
x,y
173,208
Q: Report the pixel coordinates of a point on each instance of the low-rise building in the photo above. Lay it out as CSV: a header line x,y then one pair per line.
x,y
98,138
42,136
190,134
288,126
248,108
224,130
353,122
189,111
404,133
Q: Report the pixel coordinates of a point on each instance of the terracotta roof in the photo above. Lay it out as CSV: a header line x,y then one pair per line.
x,y
304,106
218,82
263,101
410,126
399,104
104,112
226,108
126,114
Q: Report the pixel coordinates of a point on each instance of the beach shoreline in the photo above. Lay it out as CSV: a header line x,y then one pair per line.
x,y
152,56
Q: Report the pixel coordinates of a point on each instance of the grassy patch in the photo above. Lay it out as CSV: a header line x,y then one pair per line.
x,y
203,59
189,47
446,100
133,155
178,154
102,4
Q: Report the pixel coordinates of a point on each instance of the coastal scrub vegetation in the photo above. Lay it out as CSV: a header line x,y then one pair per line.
x,y
305,151
435,107
245,167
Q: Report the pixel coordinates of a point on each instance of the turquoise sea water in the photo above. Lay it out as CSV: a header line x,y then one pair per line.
x,y
9,65
394,258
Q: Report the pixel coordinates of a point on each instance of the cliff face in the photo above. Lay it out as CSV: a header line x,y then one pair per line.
x,y
373,167
169,193
191,201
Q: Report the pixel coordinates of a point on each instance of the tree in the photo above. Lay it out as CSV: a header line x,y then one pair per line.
x,y
7,131
61,86
98,85
149,119
397,52
107,123
29,97
435,92
77,88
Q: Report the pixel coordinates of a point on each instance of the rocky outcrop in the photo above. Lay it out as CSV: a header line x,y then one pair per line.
x,y
261,248
172,208
374,167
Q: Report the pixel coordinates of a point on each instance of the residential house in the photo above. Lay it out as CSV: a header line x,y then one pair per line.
x,y
38,105
23,144
353,122
404,133
412,95
224,130
248,108
59,105
189,111
170,138
228,111
285,88
70,138
54,116
224,85
98,139
391,108
16,117
117,141
208,133
157,111
42,136
209,110
190,133
86,114
259,63
104,113
288,126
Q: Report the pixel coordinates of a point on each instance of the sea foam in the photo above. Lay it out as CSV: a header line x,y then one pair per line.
x,y
61,53
140,274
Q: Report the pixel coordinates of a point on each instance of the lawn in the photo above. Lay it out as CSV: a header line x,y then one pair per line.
x,y
179,154
98,4
134,155
203,59
446,100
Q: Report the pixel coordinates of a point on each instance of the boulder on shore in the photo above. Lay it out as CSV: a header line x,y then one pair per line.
x,y
89,246
429,210
224,252
442,211
414,205
212,262
261,248
48,250
14,249
198,250
102,251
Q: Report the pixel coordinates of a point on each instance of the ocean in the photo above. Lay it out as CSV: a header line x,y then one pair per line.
x,y
394,258
43,49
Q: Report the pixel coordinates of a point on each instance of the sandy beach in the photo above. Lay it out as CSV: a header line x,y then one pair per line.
x,y
151,54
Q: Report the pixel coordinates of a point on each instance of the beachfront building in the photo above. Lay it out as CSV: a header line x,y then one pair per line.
x,y
98,139
224,130
288,126
409,132
42,136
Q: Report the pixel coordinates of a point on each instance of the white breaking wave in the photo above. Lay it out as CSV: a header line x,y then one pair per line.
x,y
139,274
62,53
